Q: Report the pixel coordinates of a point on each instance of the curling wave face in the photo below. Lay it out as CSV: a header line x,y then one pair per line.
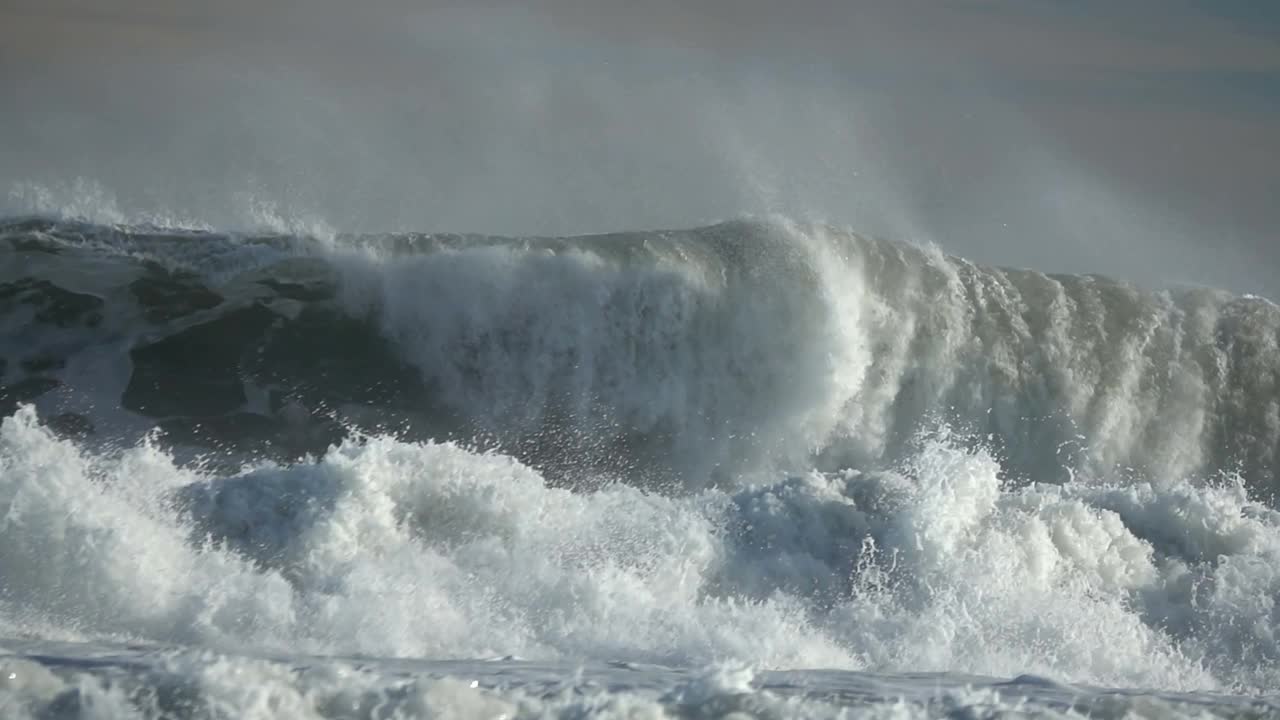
x,y
694,357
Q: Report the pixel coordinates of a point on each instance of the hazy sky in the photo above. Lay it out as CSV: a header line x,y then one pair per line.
x,y
1137,138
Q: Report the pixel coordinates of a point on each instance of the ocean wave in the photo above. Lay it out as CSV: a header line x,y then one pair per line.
x,y
696,357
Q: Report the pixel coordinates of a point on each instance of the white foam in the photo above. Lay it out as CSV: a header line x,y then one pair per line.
x,y
393,549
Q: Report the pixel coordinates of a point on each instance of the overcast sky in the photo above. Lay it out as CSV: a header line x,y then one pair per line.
x,y
1134,138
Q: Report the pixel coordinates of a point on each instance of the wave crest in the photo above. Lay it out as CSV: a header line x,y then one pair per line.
x,y
696,356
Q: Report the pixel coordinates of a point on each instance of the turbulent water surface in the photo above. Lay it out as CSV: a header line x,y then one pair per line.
x,y
762,468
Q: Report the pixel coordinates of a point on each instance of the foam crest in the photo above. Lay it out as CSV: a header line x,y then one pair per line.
x,y
87,200
392,549
384,548
88,546
1047,577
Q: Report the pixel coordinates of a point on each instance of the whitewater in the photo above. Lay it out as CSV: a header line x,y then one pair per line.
x,y
763,468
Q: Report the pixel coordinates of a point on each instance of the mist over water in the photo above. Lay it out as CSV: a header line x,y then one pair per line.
x,y
546,121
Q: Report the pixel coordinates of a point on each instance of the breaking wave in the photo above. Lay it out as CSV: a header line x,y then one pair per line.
x,y
760,442
696,356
